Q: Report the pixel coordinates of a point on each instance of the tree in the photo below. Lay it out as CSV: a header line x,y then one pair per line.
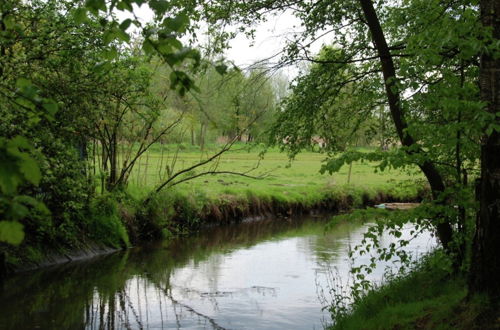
x,y
399,49
227,103
130,116
323,103
45,75
48,49
485,269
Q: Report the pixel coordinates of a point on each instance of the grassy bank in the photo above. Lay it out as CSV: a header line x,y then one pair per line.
x,y
284,188
429,297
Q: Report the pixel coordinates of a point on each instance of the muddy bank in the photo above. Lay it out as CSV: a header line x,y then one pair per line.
x,y
251,210
57,258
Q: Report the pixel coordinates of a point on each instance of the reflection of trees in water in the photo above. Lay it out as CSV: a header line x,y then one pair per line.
x,y
119,310
327,246
129,290
130,308
168,293
142,303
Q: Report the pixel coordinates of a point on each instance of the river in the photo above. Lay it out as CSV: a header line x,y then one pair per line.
x,y
269,274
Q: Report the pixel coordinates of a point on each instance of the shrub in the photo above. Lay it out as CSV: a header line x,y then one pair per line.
x,y
104,224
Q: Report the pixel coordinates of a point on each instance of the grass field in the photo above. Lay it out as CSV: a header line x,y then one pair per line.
x,y
282,179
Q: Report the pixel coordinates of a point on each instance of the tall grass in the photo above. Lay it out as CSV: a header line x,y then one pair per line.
x,y
430,297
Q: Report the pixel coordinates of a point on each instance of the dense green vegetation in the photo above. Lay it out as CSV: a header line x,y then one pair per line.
x,y
113,130
439,302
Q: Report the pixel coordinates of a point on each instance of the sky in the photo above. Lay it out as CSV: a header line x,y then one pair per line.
x,y
270,38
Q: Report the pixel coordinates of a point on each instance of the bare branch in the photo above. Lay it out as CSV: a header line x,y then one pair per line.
x,y
217,172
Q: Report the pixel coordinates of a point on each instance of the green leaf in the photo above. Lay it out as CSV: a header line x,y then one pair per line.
x,y
80,15
124,5
51,107
122,35
96,5
9,176
11,232
221,69
18,211
23,83
110,54
31,171
174,79
148,46
178,23
20,142
9,22
159,6
125,24
113,34
108,37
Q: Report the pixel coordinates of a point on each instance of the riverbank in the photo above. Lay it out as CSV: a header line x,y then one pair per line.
x,y
122,221
429,297
178,212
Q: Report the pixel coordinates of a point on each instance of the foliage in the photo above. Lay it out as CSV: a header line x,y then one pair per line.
x,y
61,71
105,224
17,166
327,102
418,62
41,109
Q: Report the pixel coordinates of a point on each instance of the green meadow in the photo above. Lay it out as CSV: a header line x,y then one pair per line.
x,y
273,174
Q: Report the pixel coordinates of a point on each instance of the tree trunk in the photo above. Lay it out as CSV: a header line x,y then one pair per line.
x,y
485,268
104,156
82,149
444,229
383,145
203,131
113,164
349,173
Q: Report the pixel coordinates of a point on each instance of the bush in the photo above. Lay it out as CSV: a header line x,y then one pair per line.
x,y
104,224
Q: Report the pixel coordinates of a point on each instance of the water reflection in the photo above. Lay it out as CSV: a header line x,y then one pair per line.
x,y
261,275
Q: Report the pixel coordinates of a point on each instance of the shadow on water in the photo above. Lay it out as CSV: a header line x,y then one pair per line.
x,y
252,275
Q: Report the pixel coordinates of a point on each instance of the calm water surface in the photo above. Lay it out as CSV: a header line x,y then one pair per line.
x,y
258,275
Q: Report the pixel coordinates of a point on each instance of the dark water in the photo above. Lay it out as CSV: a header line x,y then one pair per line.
x,y
259,275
